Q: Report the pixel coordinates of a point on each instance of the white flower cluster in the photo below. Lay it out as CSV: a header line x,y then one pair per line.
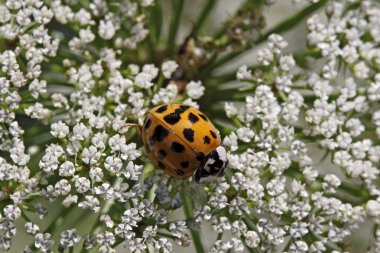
x,y
273,171
97,162
29,45
74,75
341,108
108,21
93,163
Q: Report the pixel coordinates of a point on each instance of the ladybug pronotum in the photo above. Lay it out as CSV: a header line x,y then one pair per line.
x,y
180,140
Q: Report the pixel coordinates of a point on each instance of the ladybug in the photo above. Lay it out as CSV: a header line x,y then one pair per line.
x,y
181,140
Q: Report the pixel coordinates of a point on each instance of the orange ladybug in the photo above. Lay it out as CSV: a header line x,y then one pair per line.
x,y
181,140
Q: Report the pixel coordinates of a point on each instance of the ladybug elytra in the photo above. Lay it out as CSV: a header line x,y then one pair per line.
x,y
181,140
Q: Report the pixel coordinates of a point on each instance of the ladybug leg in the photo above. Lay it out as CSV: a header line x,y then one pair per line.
x,y
133,125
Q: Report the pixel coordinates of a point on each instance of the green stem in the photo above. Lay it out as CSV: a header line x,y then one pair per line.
x,y
150,92
26,217
237,122
156,22
161,234
60,218
223,29
188,210
177,7
284,26
160,81
204,15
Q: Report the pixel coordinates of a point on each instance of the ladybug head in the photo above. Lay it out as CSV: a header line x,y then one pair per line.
x,y
214,166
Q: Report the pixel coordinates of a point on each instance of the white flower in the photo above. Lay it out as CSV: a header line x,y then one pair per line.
x,y
43,241
244,73
230,109
86,35
43,15
330,183
83,17
231,141
299,247
144,80
252,239
59,100
62,187
373,208
12,212
374,89
106,29
66,169
90,202
147,2
37,87
69,200
116,142
80,132
191,102
5,15
113,164
31,229
96,174
168,68
276,42
245,134
361,70
265,56
195,90
59,129
151,70
139,33
287,63
37,111
91,155
135,69
165,95
62,13
355,127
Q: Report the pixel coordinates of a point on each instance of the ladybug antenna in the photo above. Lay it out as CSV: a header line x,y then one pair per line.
x,y
133,125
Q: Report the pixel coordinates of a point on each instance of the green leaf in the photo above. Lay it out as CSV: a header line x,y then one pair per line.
x,y
177,8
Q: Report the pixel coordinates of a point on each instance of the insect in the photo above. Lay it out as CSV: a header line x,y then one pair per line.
x,y
181,140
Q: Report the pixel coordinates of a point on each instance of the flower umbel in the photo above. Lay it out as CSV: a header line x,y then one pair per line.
x,y
301,126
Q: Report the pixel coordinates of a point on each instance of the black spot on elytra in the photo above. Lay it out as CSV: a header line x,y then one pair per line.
x,y
213,134
161,109
177,147
189,134
179,172
184,107
185,164
161,165
172,118
148,123
206,140
159,134
200,156
175,116
203,117
161,154
193,118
